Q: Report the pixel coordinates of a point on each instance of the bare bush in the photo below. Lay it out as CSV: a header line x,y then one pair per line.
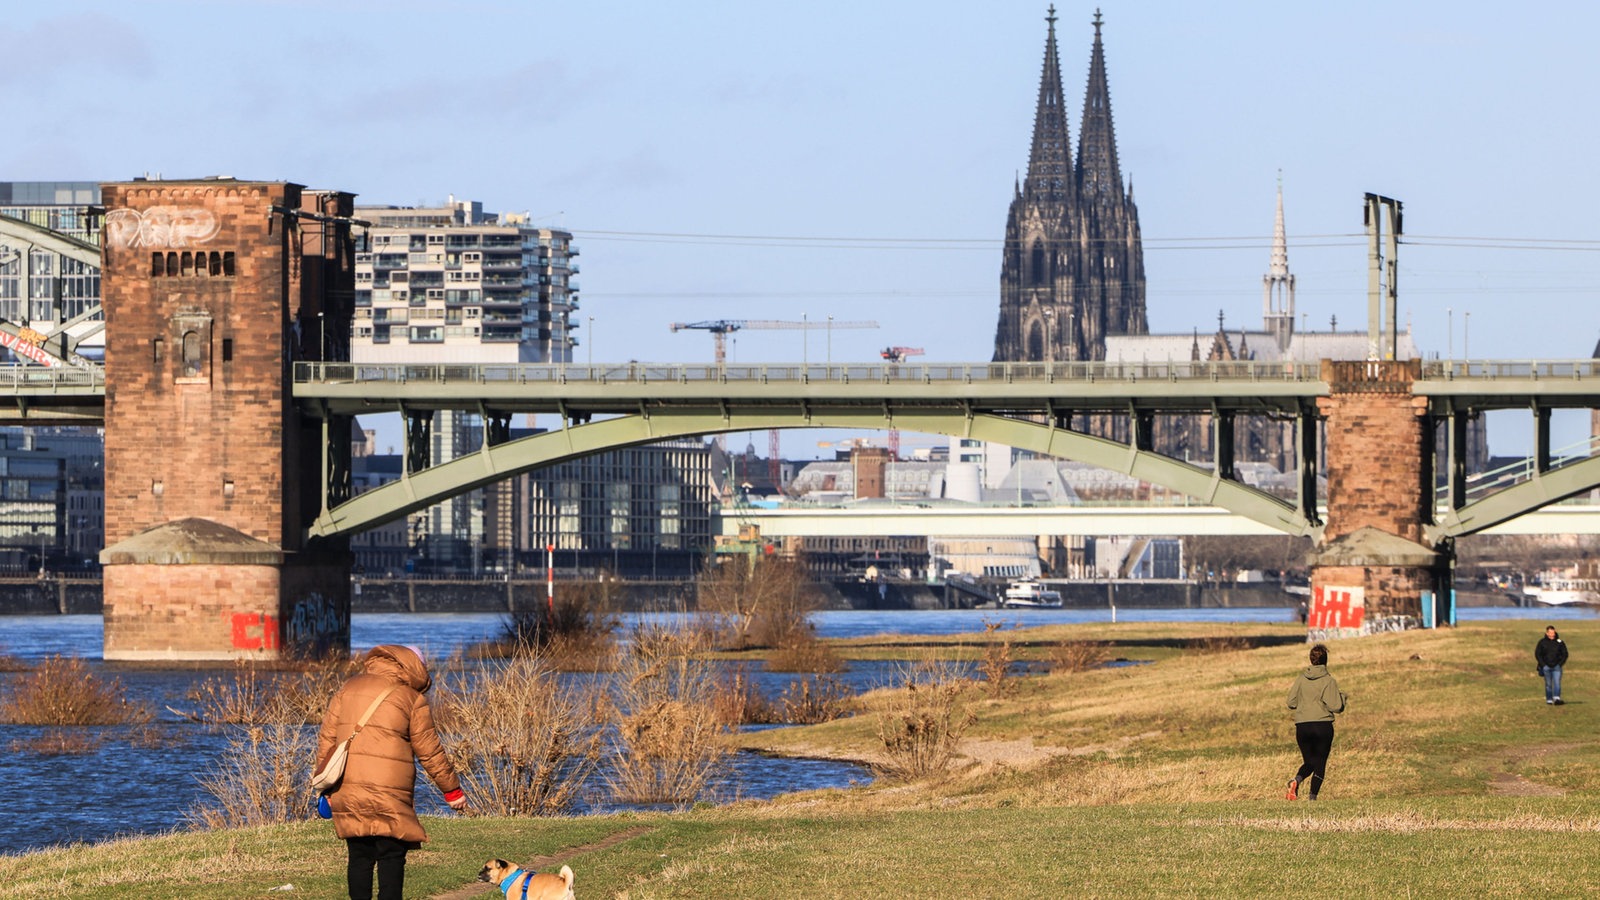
x,y
522,743
57,742
253,693
1077,656
261,779
802,651
574,632
922,723
809,701
764,604
667,733
737,700
1217,644
996,663
62,691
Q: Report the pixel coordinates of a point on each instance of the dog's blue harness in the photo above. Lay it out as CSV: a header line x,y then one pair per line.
x,y
527,879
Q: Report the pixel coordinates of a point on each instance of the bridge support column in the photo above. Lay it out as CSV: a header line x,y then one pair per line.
x,y
212,474
1372,566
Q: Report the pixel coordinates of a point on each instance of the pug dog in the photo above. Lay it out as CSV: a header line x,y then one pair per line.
x,y
520,884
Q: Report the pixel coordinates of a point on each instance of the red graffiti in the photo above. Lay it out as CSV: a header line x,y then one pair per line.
x,y
1336,607
255,631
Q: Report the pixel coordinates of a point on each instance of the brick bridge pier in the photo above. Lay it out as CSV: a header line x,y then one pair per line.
x,y
1372,568
211,290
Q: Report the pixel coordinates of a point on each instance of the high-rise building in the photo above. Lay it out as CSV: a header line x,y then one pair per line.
x,y
454,283
1073,267
40,288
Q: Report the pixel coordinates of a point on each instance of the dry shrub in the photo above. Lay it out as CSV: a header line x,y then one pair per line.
x,y
667,743
522,743
802,651
254,693
809,701
261,778
995,667
922,722
1217,644
9,663
762,603
62,691
1077,656
58,742
737,700
574,633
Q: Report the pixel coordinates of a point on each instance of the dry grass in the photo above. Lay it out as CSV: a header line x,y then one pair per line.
x,y
522,744
801,651
575,634
254,693
666,745
58,742
737,700
62,691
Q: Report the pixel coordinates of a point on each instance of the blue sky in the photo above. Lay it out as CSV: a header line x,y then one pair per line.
x,y
857,159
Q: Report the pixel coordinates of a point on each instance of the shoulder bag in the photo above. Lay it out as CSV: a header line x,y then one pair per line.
x,y
327,778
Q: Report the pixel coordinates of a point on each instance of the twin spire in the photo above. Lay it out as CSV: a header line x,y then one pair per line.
x,y
1051,172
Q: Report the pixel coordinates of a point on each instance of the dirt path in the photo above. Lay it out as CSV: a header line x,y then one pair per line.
x,y
1510,784
478,889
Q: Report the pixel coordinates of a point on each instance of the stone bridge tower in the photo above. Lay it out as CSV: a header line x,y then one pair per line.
x,y
1373,564
212,289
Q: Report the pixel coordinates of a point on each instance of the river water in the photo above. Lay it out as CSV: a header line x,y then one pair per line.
x,y
124,787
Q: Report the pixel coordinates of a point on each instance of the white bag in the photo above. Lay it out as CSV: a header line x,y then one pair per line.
x,y
327,778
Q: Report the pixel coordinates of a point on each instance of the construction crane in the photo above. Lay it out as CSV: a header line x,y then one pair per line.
x,y
897,355
721,328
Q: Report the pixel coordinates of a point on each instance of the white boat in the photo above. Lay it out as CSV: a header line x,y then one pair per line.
x,y
1565,592
1030,595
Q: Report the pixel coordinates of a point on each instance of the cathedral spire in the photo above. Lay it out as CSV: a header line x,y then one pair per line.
x,y
1277,286
1050,161
1098,173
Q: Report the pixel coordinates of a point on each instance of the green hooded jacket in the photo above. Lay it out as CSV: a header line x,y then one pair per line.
x,y
1315,696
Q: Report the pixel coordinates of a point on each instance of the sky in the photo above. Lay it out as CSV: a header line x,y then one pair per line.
x,y
747,160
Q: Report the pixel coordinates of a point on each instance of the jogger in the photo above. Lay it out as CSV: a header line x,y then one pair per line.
x,y
1314,699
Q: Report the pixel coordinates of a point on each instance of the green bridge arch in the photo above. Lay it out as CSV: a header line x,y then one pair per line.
x,y
422,489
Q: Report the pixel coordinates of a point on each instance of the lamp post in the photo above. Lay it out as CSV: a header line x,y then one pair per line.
x,y
805,344
1466,335
591,341
1049,335
830,340
1450,326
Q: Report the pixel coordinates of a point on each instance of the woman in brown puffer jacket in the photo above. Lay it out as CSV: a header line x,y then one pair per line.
x,y
374,804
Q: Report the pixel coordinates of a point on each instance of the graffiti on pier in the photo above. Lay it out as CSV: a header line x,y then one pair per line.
x,y
1336,612
315,624
255,631
161,226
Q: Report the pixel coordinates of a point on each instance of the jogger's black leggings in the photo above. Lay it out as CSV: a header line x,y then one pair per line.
x,y
389,855
1316,742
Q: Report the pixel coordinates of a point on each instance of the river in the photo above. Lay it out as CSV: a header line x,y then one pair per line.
x,y
122,787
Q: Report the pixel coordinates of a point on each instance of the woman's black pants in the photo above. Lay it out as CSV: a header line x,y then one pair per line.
x,y
1316,742
389,855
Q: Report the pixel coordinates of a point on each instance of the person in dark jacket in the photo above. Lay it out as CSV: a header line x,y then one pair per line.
x,y
1314,699
374,804
1549,656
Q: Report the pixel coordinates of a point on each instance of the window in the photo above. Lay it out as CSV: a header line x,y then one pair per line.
x,y
191,354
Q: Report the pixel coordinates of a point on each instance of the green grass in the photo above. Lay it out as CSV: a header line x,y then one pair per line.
x,y
1449,777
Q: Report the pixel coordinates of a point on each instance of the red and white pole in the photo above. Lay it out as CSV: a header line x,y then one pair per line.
x,y
550,577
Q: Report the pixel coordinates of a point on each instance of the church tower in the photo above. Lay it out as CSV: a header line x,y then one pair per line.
x,y
1073,265
1277,286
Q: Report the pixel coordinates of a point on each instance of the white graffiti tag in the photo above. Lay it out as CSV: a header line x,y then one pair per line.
x,y
161,226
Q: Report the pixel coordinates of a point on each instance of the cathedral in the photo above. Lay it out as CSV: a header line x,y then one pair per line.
x,y
1073,271
1072,284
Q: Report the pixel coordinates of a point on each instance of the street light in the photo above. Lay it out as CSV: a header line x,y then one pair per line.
x,y
1466,335
805,344
1049,335
590,341
830,340
1450,326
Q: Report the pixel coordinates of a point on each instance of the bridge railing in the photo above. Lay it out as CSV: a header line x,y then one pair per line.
x,y
1457,369
804,373
35,379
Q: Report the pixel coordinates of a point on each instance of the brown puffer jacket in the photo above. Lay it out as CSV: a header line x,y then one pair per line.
x,y
376,796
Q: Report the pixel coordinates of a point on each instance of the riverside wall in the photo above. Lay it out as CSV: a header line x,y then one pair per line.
x,y
82,596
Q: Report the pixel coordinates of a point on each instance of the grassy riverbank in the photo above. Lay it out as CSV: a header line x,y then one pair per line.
x,y
1449,775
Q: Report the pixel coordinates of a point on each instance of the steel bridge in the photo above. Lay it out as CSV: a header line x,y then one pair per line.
x,y
1026,405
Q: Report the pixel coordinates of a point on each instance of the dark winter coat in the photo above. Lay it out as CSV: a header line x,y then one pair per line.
x,y
376,798
1551,652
